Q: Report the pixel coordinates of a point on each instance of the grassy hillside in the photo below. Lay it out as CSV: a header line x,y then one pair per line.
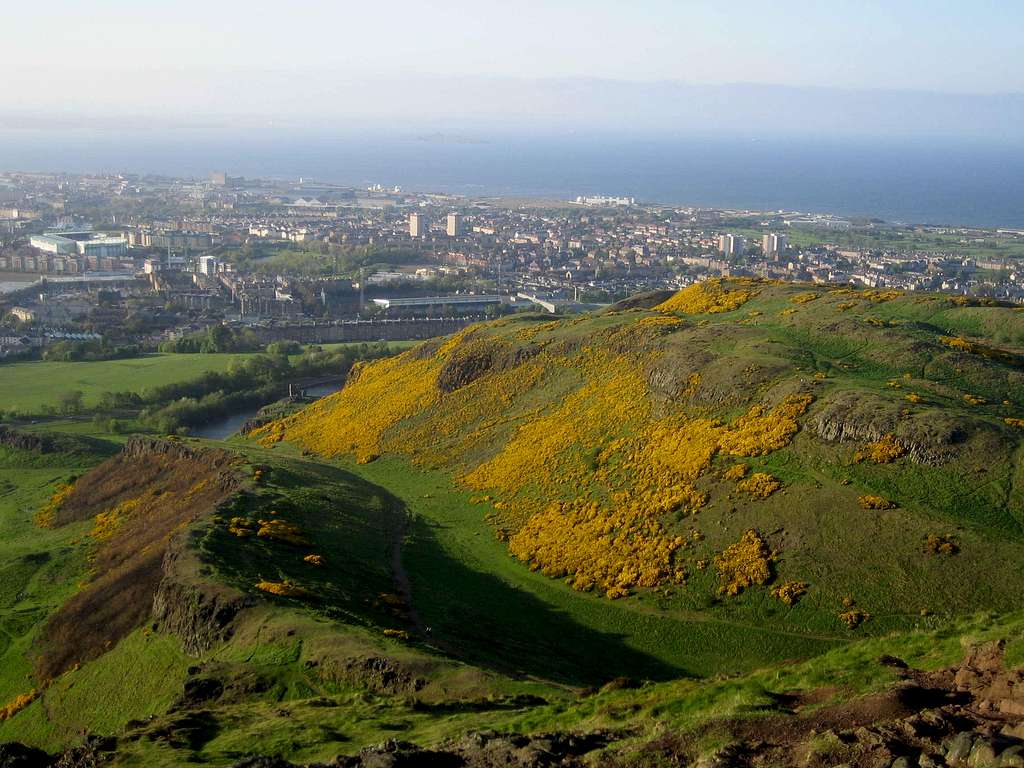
x,y
815,460
691,521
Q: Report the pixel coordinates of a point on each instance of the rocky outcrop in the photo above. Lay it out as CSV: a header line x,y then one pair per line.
x,y
24,441
475,358
485,749
971,715
380,674
200,613
93,751
929,438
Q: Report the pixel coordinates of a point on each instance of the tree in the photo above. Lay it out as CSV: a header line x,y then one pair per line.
x,y
218,339
70,403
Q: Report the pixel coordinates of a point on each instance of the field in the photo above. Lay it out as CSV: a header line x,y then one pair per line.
x,y
27,387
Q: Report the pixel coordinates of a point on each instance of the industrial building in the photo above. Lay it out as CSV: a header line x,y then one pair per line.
x,y
432,305
92,245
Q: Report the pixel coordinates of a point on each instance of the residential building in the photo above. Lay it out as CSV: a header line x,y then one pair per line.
x,y
731,245
455,225
773,245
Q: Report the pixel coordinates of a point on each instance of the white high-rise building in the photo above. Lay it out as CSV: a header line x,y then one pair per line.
x,y
731,245
417,225
454,227
208,265
773,245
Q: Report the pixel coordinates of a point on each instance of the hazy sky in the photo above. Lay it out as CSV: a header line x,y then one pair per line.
x,y
366,58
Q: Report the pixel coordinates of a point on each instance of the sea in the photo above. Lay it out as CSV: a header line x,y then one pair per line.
x,y
909,180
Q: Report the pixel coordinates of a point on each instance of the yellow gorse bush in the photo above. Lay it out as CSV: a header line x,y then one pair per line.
x,y
759,432
744,564
708,297
854,617
282,588
280,530
47,516
789,592
870,501
805,298
760,485
18,703
377,397
107,523
883,451
735,472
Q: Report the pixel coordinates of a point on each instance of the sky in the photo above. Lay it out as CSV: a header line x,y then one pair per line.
x,y
480,59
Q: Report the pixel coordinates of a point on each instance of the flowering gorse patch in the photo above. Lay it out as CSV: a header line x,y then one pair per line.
x,y
744,564
884,451
708,297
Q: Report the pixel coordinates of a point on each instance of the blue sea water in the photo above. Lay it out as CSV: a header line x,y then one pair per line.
x,y
914,181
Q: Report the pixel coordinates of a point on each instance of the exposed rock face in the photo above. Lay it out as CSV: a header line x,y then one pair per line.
x,y
477,750
376,673
14,755
853,417
25,442
970,715
200,613
94,751
478,357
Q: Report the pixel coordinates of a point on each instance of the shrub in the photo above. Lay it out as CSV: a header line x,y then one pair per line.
x,y
280,530
869,501
883,451
17,704
735,472
942,544
47,516
708,297
746,563
283,588
760,485
805,298
790,592
854,617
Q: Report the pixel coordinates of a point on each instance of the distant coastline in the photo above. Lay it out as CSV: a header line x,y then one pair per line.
x,y
908,182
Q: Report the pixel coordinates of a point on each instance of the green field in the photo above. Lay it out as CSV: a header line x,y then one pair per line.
x,y
26,387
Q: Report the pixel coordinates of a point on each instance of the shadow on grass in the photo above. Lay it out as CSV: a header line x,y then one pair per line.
x,y
488,622
472,615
